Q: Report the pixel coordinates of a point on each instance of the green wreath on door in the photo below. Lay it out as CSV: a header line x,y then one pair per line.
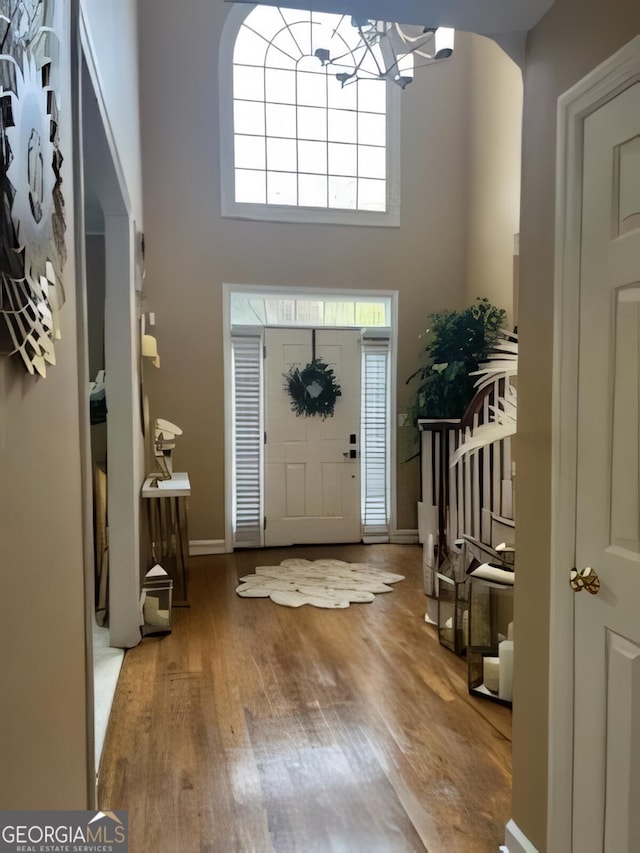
x,y
313,390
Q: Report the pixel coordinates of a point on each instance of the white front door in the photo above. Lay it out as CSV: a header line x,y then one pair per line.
x,y
312,465
606,772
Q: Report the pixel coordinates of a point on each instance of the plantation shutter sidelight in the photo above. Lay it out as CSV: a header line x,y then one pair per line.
x,y
247,439
375,438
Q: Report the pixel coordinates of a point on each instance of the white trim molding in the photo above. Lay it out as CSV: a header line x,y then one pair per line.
x,y
404,537
516,841
601,85
90,57
291,213
202,547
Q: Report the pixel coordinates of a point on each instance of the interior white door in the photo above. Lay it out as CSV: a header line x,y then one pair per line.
x,y
606,777
312,466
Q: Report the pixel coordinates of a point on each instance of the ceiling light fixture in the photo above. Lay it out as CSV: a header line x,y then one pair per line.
x,y
388,51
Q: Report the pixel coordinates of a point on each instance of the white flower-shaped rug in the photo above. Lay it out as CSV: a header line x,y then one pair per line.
x,y
331,584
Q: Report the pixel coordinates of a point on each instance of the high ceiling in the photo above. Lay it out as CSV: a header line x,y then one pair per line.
x,y
488,17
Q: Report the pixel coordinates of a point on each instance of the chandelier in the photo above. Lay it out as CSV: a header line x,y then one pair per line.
x,y
388,51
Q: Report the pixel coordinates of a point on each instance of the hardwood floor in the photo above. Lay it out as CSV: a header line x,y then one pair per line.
x,y
256,727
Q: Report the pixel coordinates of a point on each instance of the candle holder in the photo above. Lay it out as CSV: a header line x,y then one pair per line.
x,y
453,600
453,613
490,649
155,602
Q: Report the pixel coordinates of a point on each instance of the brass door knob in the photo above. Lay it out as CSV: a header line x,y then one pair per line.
x,y
586,579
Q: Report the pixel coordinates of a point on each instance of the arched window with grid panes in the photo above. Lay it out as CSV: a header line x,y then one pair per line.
x,y
297,144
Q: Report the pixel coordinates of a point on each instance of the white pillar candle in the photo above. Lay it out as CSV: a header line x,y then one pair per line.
x,y
505,654
510,631
151,604
162,618
491,673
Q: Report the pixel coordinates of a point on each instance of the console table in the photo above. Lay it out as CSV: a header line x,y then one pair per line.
x,y
167,511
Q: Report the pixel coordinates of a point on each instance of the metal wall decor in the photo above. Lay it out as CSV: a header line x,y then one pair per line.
x,y
32,215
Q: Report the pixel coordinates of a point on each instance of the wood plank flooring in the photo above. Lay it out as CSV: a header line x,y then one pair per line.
x,y
256,727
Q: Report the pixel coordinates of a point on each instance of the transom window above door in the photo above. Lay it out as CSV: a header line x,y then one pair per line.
x,y
251,308
297,144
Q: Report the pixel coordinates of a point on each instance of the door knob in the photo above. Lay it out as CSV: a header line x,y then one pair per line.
x,y
586,579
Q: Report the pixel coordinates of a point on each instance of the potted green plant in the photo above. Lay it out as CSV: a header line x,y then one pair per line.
x,y
457,343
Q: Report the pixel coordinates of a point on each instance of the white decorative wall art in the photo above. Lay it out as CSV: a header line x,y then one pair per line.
x,y
32,215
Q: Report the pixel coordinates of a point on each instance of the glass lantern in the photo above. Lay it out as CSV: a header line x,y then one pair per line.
x,y
453,600
490,649
156,602
453,614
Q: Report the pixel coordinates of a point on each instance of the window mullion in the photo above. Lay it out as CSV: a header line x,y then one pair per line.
x,y
297,136
326,143
266,132
358,149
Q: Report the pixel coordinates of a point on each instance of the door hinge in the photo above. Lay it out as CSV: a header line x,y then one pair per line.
x,y
264,351
264,524
265,436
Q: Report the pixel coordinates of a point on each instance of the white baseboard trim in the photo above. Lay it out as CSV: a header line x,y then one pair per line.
x,y
200,547
380,539
404,537
516,841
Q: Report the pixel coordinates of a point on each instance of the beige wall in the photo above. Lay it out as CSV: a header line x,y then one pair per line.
x,y
44,716
43,711
495,103
572,39
191,250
